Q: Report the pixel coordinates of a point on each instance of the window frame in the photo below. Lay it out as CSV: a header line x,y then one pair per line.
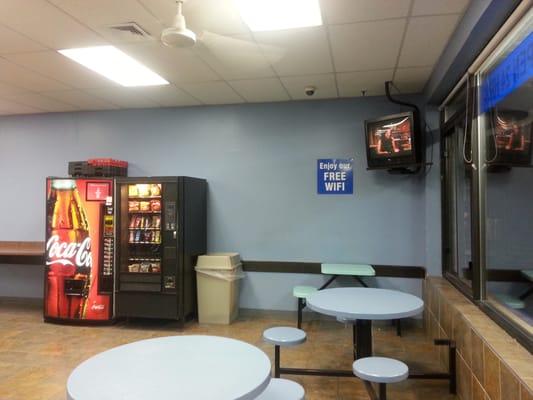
x,y
477,293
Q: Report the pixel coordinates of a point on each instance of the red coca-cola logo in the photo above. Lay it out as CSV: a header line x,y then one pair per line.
x,y
74,254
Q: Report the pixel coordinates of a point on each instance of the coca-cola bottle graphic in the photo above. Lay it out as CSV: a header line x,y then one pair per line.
x,y
68,252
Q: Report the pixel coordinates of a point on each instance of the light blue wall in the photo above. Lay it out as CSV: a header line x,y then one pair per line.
x,y
260,162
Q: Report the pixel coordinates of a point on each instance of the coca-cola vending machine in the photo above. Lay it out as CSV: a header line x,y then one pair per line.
x,y
80,250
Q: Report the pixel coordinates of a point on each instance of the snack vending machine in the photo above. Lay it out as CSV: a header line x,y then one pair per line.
x,y
162,231
80,250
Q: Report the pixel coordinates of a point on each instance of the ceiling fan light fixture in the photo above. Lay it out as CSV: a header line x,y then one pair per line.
x,y
272,15
115,65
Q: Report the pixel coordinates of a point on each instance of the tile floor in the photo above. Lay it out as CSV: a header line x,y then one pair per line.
x,y
36,358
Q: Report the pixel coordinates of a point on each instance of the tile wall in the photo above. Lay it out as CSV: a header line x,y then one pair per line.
x,y
491,365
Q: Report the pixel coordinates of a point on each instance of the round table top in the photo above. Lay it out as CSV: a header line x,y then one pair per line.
x,y
174,367
365,303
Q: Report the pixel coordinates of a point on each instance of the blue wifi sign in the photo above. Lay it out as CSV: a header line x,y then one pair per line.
x,y
335,176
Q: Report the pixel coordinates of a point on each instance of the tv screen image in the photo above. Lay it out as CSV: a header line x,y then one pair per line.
x,y
511,133
391,140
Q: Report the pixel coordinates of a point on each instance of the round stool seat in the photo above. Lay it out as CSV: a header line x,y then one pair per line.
x,y
380,370
302,292
284,336
282,389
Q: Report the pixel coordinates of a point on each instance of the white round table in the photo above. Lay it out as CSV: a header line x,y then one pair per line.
x,y
365,305
173,368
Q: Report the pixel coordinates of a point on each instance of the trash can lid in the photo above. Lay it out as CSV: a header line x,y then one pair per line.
x,y
219,261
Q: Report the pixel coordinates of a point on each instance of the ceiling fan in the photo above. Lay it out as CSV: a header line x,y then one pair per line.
x,y
229,50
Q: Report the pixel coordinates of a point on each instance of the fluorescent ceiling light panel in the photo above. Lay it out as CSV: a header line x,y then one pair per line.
x,y
114,65
272,15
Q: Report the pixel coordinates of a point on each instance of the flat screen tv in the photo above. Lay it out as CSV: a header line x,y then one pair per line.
x,y
392,141
510,142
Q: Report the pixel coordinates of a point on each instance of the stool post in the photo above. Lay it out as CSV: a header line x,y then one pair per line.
x,y
300,309
276,361
382,391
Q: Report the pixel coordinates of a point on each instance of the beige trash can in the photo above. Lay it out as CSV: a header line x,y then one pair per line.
x,y
218,276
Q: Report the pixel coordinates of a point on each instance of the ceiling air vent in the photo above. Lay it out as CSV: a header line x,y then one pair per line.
x,y
129,31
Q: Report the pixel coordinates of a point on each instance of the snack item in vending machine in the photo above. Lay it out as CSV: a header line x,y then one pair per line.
x,y
147,236
133,205
132,236
156,267
133,191
148,222
156,221
155,205
138,220
157,237
132,222
144,267
155,190
134,267
144,206
144,190
137,236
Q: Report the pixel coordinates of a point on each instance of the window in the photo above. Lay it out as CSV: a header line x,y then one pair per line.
x,y
505,107
487,184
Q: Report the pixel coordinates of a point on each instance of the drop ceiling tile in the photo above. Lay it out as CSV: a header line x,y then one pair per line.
x,y
325,86
235,57
8,107
425,39
260,90
213,92
432,7
366,45
167,96
14,42
346,11
80,99
60,68
100,14
24,78
373,82
218,16
175,65
46,24
39,101
123,97
306,51
412,80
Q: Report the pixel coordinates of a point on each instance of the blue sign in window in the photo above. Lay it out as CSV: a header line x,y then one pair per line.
x,y
335,176
511,73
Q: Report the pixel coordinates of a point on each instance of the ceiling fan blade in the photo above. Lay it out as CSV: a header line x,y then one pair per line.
x,y
238,52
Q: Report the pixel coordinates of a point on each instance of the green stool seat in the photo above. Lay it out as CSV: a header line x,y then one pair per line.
x,y
303,292
348,269
510,301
